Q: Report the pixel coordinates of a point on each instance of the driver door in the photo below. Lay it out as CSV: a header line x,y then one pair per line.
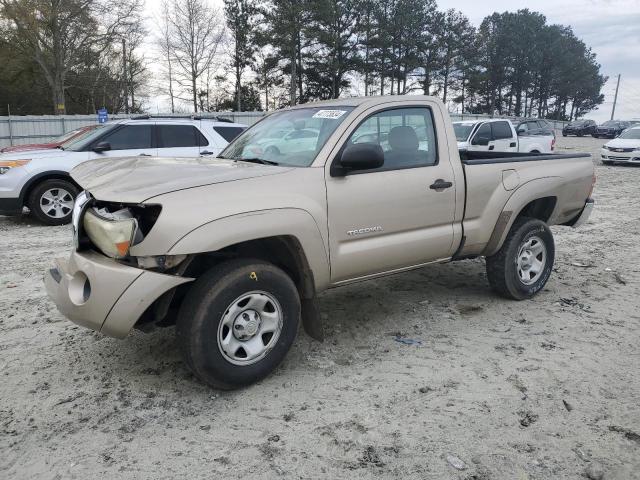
x,y
128,141
392,218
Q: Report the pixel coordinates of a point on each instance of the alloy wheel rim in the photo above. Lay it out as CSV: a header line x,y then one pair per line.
x,y
531,260
56,203
250,328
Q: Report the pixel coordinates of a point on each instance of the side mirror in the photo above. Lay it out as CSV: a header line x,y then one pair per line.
x,y
483,141
521,131
360,156
102,147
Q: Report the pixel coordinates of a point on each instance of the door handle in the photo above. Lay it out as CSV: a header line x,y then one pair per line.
x,y
513,144
440,185
206,152
145,155
491,147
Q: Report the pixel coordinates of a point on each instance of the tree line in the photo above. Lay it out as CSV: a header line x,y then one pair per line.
x,y
266,54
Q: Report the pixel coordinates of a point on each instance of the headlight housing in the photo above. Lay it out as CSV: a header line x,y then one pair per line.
x,y
113,233
7,165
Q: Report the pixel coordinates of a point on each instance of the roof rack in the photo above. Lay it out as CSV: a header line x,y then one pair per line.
x,y
184,117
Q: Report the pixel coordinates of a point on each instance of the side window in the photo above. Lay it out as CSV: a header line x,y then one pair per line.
x,y
173,136
501,130
228,133
130,137
484,132
406,135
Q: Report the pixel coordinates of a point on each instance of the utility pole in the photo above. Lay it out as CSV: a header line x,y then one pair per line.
x,y
126,79
615,98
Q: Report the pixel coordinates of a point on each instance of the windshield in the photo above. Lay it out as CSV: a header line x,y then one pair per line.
x,y
579,123
610,123
70,141
463,130
291,137
78,143
631,134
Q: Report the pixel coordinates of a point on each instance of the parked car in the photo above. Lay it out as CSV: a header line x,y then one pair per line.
x,y
624,149
40,180
55,143
611,129
240,247
535,126
580,128
499,135
285,141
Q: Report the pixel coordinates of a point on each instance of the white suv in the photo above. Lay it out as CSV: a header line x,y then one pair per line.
x,y
40,179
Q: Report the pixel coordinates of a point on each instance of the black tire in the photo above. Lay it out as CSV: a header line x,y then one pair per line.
x,y
502,269
208,301
595,136
564,134
34,204
607,162
580,134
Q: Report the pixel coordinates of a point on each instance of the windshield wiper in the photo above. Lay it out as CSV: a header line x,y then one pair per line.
x,y
261,161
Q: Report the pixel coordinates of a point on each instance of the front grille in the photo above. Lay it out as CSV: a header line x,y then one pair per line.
x,y
620,150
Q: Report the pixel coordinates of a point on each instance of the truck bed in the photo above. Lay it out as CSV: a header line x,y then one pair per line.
x,y
500,184
483,158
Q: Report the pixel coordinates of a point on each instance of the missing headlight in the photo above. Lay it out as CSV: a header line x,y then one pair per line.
x,y
115,227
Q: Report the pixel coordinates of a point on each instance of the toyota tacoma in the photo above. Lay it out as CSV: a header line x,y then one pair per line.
x,y
234,250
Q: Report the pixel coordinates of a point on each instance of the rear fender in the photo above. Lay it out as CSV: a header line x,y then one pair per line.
x,y
521,197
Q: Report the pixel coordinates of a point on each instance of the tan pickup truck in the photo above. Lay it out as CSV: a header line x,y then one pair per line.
x,y
235,249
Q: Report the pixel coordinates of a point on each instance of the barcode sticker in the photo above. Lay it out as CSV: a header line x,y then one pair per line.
x,y
330,114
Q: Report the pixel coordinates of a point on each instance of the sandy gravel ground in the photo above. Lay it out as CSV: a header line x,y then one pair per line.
x,y
542,389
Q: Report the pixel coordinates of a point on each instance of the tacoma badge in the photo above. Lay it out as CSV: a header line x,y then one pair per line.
x,y
362,231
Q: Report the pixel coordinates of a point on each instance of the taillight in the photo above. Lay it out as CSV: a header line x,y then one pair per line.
x,y
553,144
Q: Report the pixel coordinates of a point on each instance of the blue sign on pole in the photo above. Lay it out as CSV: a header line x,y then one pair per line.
x,y
103,115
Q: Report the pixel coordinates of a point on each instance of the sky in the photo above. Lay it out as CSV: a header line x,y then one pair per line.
x,y
610,27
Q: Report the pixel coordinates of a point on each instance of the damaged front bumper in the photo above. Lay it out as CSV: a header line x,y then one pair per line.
x,y
96,292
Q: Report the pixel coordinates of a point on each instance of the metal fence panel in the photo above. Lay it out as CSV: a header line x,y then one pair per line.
x,y
18,130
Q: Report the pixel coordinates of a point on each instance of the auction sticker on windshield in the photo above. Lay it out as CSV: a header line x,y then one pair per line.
x,y
331,114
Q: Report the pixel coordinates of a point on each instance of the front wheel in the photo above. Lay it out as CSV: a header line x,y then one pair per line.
x,y
522,266
238,322
52,201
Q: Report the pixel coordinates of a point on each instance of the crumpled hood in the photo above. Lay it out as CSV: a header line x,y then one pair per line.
x,y
136,179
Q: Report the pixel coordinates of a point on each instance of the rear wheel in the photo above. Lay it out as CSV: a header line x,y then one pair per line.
x,y
522,266
238,322
52,201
